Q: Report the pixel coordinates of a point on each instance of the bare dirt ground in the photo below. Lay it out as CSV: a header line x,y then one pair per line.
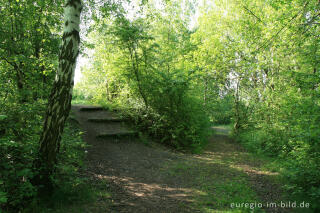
x,y
131,176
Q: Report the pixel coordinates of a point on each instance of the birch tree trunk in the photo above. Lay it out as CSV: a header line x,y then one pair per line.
x,y
59,103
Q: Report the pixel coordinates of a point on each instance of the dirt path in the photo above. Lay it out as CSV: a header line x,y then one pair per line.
x,y
131,176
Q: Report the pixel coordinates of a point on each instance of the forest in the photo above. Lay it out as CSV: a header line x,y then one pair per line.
x,y
159,106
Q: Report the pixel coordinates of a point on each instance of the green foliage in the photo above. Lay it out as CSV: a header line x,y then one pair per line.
x,y
16,163
3,117
70,186
70,161
29,39
286,125
271,71
252,63
220,109
175,117
28,48
186,128
18,151
143,72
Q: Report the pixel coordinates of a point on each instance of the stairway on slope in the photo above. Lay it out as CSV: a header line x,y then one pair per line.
x,y
105,124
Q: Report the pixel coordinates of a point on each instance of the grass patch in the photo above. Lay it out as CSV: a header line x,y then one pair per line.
x,y
215,185
223,175
81,101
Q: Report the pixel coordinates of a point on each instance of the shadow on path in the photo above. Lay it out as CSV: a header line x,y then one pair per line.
x,y
132,177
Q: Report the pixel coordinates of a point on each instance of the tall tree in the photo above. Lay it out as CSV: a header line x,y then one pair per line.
x,y
28,48
59,103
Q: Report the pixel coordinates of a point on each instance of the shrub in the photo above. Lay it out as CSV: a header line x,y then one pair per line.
x,y
290,132
173,116
18,150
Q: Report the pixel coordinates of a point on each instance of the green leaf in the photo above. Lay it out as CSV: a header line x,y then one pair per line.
x,y
3,197
3,117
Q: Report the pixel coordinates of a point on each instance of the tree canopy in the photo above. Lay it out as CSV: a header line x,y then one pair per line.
x,y
173,68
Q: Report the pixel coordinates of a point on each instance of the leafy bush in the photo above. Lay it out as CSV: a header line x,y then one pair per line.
x,y
180,130
291,133
220,109
18,150
150,80
173,115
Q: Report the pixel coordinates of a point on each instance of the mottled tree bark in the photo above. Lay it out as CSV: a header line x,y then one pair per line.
x,y
59,103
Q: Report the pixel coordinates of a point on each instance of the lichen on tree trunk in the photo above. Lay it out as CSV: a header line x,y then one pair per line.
x,y
59,103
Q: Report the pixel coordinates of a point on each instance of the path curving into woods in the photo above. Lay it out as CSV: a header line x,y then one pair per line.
x,y
132,176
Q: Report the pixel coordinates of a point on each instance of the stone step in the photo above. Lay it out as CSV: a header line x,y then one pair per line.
x,y
119,134
91,108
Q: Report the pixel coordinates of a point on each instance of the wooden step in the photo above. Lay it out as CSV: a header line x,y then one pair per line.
x,y
91,108
102,120
120,134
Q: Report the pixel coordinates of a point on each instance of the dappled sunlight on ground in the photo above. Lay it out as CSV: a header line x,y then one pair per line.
x,y
225,172
132,177
141,189
248,169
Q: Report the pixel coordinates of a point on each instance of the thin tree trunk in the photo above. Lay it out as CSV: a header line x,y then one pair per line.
x,y
59,103
20,84
205,91
237,124
135,67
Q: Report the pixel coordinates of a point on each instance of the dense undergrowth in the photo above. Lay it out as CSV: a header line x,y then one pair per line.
x,y
172,68
19,146
291,137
